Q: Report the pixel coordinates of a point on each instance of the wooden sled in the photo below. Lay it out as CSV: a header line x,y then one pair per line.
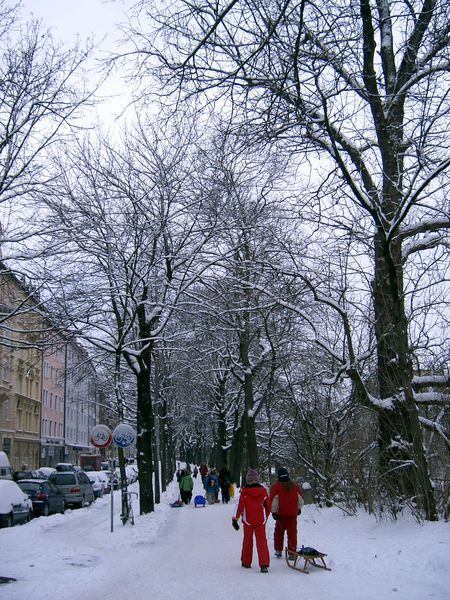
x,y
309,556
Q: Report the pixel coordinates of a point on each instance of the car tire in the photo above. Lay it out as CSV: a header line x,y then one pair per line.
x,y
46,510
9,520
30,516
63,507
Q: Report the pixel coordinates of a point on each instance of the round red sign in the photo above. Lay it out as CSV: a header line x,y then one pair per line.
x,y
101,436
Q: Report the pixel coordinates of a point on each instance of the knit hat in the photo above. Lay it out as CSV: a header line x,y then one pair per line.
x,y
252,476
283,475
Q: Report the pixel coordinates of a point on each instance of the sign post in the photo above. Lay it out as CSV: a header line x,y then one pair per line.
x,y
101,437
123,437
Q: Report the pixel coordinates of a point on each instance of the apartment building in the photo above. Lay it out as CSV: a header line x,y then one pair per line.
x,y
48,385
82,406
20,371
53,403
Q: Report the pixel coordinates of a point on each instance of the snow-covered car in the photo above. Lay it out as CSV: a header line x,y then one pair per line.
x,y
116,479
5,466
45,472
132,473
26,474
104,477
15,505
97,483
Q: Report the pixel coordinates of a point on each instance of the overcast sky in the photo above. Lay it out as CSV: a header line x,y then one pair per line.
x,y
84,17
94,19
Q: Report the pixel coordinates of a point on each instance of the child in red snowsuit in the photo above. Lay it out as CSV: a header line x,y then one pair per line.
x,y
254,506
287,501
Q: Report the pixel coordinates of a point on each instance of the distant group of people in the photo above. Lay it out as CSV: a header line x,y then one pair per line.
x,y
213,482
284,502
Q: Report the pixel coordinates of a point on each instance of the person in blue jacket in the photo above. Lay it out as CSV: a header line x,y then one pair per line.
x,y
211,485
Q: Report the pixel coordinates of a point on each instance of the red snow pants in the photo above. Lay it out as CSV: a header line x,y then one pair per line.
x,y
288,525
261,545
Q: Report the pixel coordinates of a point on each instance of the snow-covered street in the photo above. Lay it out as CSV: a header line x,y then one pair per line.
x,y
193,553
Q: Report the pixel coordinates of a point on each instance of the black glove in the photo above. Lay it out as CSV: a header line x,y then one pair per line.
x,y
276,516
235,524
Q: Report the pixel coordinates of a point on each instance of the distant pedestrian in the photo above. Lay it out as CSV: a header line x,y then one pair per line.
x,y
254,507
203,471
195,472
213,470
224,483
186,486
211,485
287,501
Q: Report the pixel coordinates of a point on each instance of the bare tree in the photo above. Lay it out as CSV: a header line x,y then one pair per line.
x,y
41,95
129,243
309,74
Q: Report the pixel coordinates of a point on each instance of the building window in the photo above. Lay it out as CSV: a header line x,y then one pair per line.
x,y
5,367
5,409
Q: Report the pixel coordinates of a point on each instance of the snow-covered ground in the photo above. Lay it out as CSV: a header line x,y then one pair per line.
x,y
190,553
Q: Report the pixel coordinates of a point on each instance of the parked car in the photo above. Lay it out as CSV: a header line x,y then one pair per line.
x,y
44,495
105,479
29,474
15,506
5,467
132,473
76,487
116,479
97,483
45,472
62,467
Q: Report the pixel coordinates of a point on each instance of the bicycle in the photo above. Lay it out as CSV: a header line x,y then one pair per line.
x,y
128,515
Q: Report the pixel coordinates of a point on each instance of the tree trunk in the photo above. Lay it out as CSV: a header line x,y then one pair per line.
x,y
157,457
164,443
237,450
403,468
145,436
249,419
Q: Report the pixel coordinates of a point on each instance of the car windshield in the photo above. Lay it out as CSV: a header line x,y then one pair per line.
x,y
63,478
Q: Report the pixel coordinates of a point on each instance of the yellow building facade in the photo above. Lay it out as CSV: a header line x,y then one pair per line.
x,y
20,372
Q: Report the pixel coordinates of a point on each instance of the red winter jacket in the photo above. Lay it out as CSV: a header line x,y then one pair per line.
x,y
286,503
254,504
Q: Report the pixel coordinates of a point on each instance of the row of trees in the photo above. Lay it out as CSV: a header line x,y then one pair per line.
x,y
271,289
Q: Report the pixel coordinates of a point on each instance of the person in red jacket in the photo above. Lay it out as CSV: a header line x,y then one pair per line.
x,y
203,471
287,501
254,506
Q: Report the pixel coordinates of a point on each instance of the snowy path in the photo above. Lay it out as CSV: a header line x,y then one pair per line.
x,y
193,553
